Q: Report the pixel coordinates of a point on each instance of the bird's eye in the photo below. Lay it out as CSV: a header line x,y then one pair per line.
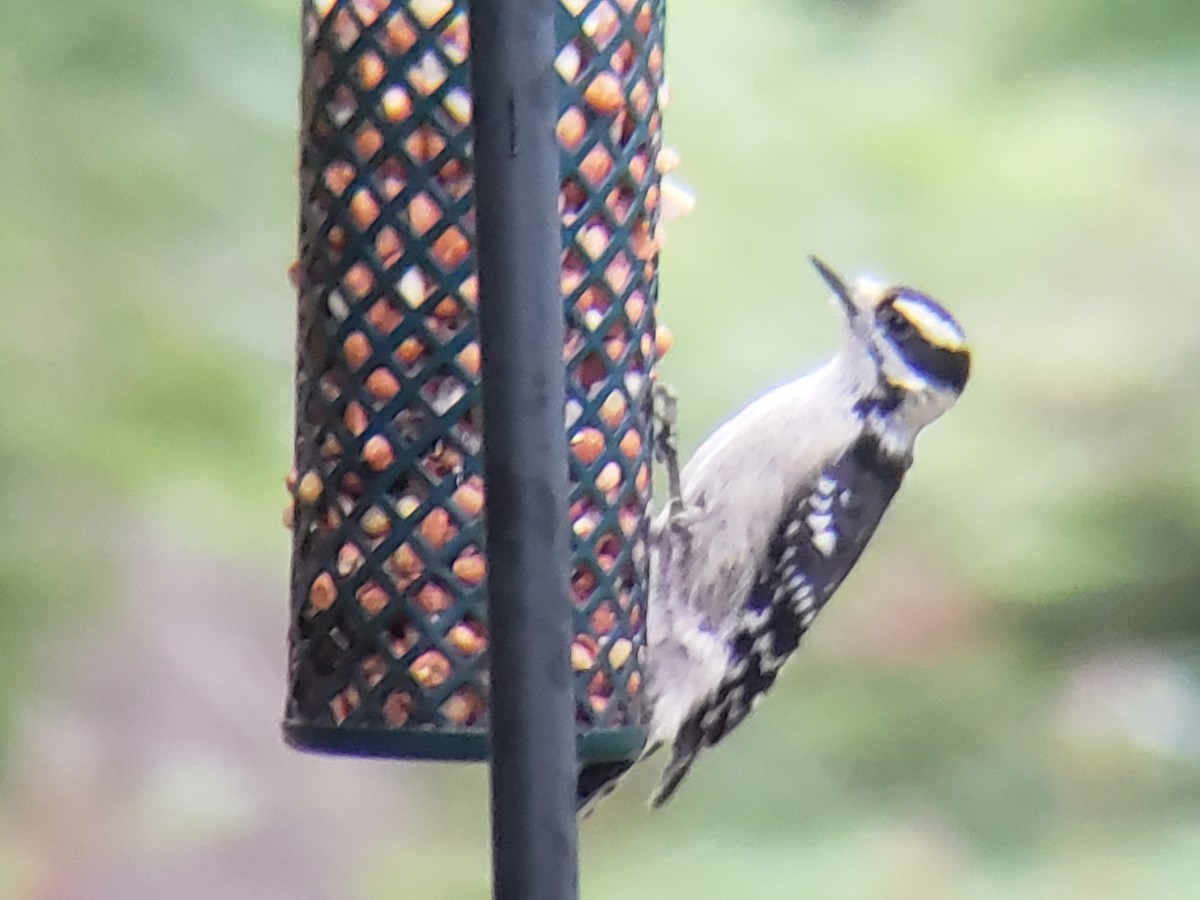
x,y
926,339
898,325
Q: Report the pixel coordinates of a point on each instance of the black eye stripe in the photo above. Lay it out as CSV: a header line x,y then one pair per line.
x,y
950,367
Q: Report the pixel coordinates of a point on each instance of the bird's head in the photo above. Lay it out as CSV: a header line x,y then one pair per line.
x,y
916,352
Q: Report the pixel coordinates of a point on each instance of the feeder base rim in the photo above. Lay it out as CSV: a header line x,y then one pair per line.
x,y
609,745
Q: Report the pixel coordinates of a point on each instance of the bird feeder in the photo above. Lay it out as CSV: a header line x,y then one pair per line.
x,y
389,603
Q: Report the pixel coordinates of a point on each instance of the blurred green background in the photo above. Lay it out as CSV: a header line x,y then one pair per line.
x,y
1003,701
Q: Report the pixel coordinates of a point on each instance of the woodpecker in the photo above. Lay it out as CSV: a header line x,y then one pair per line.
x,y
773,510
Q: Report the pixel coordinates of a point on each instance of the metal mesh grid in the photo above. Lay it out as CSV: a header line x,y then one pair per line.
x,y
389,625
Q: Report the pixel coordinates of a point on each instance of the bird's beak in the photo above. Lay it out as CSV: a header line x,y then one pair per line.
x,y
837,286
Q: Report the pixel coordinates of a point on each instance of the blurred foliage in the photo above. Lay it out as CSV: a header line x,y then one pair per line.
x,y
1003,700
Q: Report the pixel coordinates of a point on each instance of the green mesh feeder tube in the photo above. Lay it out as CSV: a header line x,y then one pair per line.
x,y
388,639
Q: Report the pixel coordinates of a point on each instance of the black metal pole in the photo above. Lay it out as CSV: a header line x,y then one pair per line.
x,y
535,842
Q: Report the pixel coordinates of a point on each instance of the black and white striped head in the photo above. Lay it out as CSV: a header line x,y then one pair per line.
x,y
920,354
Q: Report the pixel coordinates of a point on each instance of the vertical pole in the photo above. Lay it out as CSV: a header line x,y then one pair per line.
x,y
525,455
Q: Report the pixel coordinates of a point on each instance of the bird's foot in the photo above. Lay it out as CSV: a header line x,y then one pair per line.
x,y
665,405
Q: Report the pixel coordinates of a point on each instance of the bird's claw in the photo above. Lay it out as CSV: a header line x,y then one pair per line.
x,y
680,520
667,452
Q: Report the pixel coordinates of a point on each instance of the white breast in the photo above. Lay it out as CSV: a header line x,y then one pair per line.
x,y
736,487
739,481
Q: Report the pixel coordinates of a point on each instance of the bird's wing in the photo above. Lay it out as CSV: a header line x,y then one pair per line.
x,y
816,543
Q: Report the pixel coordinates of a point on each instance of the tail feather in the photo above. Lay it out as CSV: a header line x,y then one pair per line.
x,y
688,743
595,782
672,777
708,725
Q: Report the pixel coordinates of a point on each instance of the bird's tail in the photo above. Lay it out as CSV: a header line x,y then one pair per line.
x,y
688,743
595,782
